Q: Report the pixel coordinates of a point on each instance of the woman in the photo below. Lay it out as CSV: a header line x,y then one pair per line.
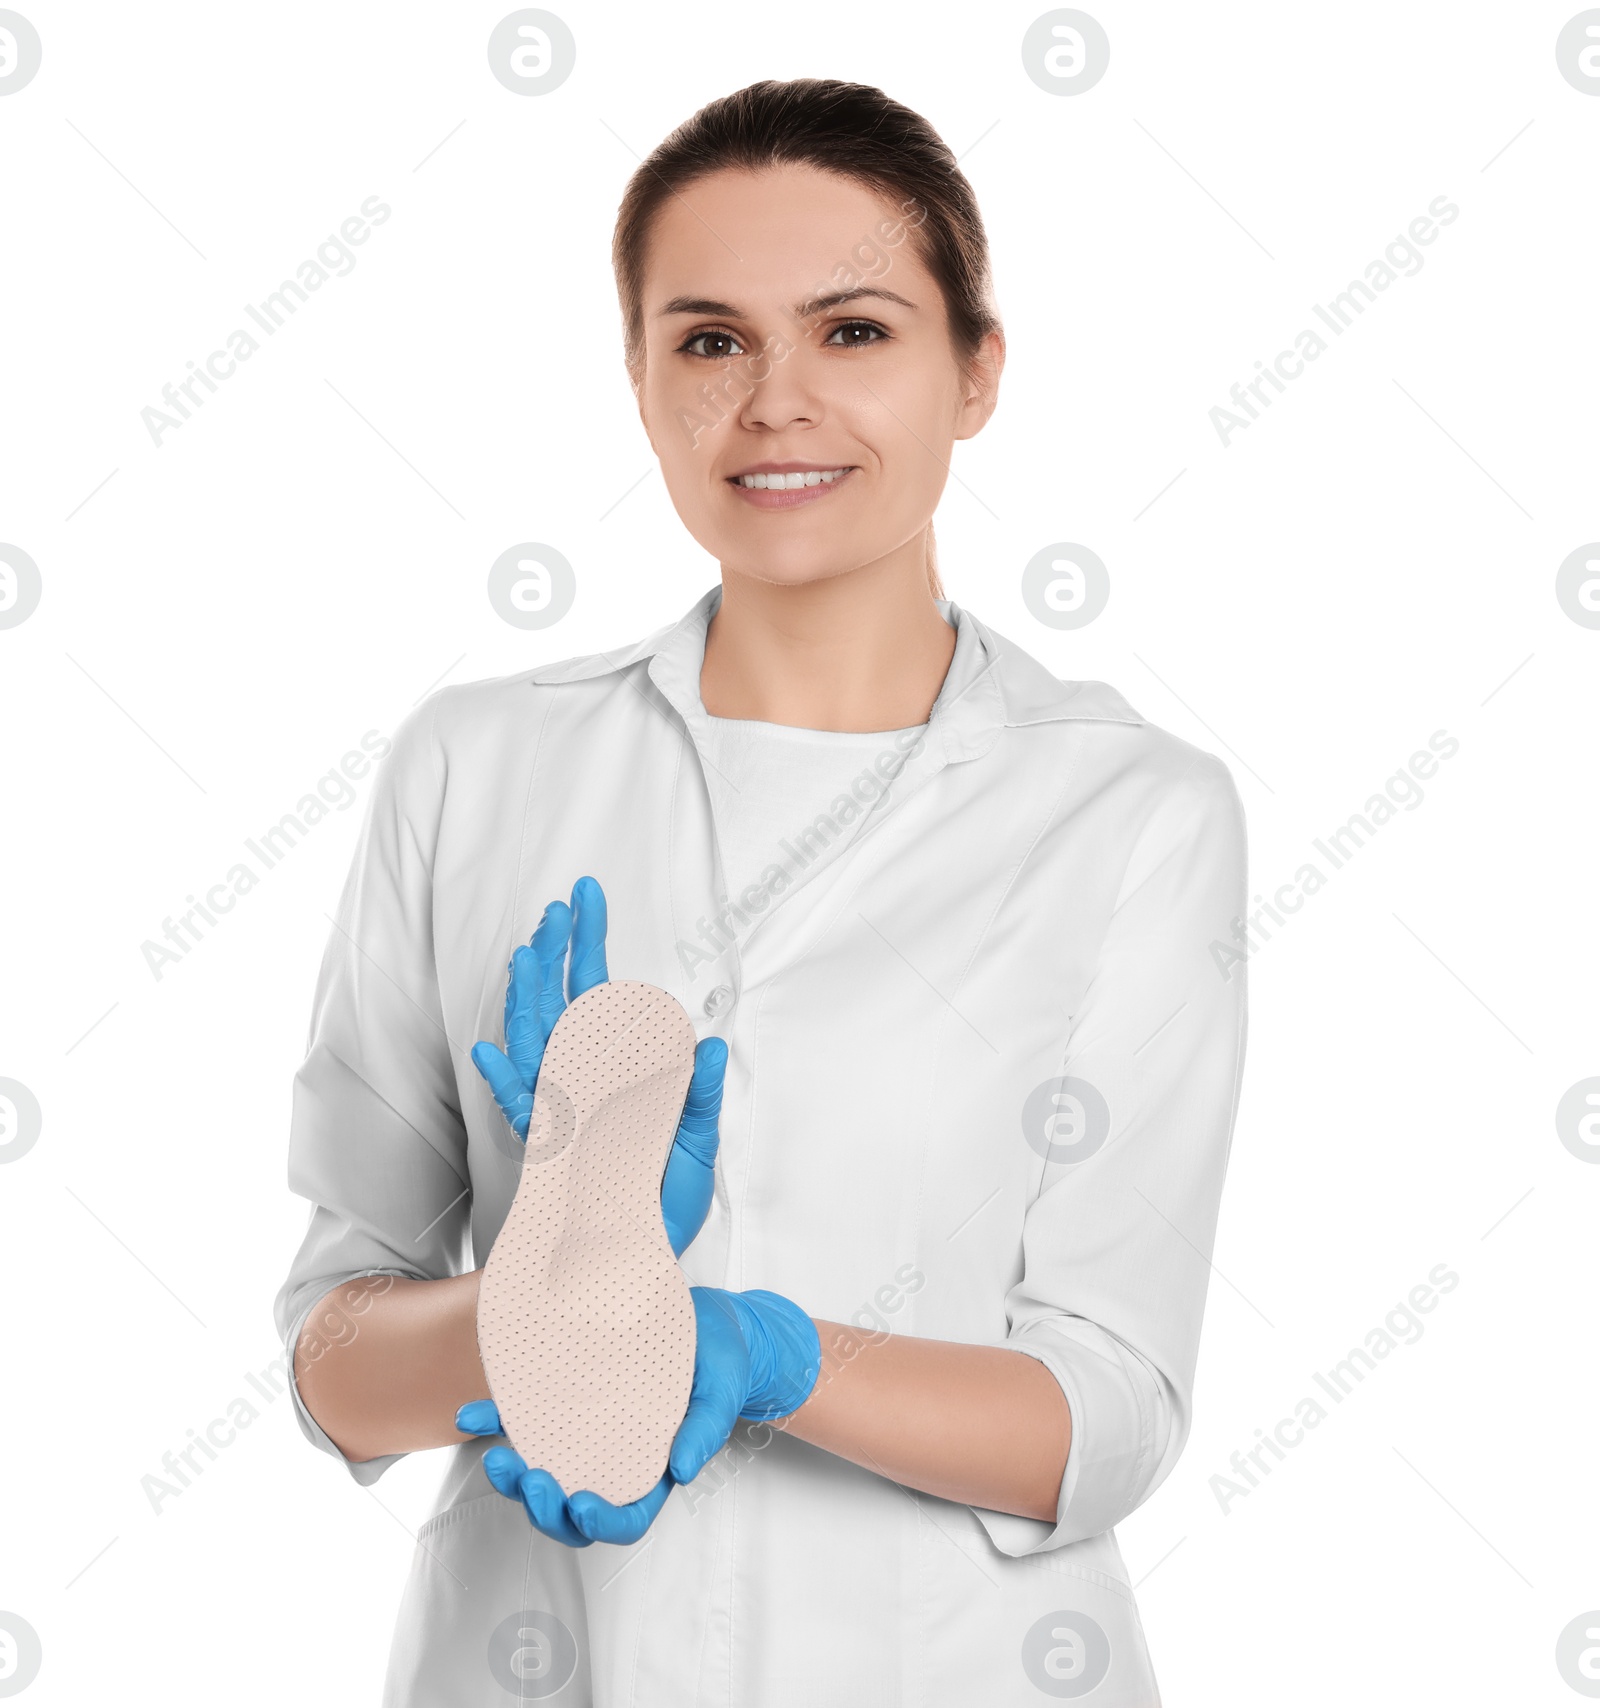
x,y
953,930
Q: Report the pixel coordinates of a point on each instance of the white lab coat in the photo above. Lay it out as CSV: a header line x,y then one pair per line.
x,y
985,1052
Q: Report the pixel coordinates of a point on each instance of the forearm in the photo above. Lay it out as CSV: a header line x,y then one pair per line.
x,y
390,1378
978,1424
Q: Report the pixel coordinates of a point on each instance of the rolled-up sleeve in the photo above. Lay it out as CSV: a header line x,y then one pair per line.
x,y
1117,1245
377,1143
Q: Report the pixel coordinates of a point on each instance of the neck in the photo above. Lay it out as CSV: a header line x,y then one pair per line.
x,y
865,650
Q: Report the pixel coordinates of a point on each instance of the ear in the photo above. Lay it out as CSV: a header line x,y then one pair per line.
x,y
982,385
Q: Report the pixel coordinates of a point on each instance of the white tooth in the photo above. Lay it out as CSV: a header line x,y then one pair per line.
x,y
789,482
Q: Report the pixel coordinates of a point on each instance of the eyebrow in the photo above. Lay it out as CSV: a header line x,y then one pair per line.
x,y
802,311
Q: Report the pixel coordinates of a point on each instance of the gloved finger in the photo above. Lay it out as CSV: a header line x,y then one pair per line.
x,y
702,1108
687,1188
507,1084
526,1034
587,965
479,1417
705,1429
514,992
600,1521
505,1469
547,1508
550,947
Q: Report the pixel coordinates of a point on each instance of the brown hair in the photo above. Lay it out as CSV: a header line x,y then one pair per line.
x,y
850,129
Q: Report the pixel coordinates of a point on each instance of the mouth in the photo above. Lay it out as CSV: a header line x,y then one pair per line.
x,y
786,489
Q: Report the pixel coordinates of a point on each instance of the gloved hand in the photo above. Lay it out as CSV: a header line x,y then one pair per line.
x,y
534,1003
578,1519
756,1355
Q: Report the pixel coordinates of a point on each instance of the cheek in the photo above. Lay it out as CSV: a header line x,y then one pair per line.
x,y
684,427
911,416
923,393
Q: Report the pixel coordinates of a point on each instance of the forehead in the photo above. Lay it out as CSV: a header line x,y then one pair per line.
x,y
750,238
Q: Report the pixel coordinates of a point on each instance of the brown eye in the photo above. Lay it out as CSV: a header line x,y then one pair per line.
x,y
856,335
726,345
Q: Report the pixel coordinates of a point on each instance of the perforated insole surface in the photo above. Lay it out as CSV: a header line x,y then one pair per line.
x,y
585,1323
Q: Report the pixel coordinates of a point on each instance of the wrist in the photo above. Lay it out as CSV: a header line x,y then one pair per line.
x,y
785,1354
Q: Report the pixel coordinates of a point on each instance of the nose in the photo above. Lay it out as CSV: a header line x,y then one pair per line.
x,y
782,386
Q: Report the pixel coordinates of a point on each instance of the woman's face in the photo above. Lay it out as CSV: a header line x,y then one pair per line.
x,y
791,331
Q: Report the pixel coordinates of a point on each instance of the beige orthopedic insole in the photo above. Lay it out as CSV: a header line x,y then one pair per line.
x,y
585,1323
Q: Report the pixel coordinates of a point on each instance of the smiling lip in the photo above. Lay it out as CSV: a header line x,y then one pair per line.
x,y
822,479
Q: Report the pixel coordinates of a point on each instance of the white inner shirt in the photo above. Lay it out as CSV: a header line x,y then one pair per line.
x,y
771,782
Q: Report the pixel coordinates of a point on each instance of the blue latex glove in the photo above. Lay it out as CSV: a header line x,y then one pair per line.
x,y
756,1355
578,1519
534,1003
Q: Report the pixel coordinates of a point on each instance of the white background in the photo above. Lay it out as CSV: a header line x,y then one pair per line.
x,y
1372,561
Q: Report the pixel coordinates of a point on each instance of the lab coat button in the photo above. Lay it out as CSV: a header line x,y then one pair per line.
x,y
719,1001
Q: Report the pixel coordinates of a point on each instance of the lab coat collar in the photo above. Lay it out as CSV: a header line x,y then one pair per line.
x,y
991,683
